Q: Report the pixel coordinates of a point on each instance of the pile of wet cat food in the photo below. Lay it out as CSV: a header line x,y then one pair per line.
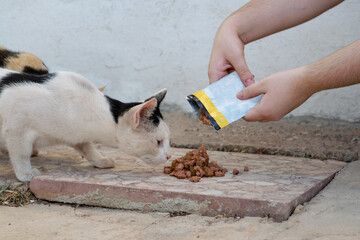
x,y
194,165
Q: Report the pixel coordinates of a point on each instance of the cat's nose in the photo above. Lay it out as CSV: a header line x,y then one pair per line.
x,y
168,157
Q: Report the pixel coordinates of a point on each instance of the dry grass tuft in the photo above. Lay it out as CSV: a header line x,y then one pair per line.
x,y
16,196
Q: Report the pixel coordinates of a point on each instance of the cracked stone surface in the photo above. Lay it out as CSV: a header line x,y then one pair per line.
x,y
273,187
333,214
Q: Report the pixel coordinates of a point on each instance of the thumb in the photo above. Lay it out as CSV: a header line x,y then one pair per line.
x,y
254,114
251,91
242,70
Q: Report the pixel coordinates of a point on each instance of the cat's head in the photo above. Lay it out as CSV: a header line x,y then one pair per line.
x,y
146,136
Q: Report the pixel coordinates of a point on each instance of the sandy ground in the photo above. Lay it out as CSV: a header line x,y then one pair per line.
x,y
333,214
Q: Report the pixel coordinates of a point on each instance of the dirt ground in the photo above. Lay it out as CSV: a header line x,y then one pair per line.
x,y
293,136
333,214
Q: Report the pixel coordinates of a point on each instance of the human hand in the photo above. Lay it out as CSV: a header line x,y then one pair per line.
x,y
228,55
255,20
283,92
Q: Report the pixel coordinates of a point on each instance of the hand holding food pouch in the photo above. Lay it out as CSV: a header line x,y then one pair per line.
x,y
219,103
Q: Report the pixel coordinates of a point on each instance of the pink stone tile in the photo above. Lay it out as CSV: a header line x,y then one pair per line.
x,y
273,187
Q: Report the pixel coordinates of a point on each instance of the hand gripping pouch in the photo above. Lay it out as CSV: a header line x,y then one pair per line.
x,y
219,103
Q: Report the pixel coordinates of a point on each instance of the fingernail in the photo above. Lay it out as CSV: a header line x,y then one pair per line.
x,y
249,82
240,95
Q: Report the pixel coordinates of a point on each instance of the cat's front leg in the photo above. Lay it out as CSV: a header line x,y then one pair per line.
x,y
20,149
3,148
93,156
5,152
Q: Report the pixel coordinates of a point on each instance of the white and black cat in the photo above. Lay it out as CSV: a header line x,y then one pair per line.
x,y
66,108
21,62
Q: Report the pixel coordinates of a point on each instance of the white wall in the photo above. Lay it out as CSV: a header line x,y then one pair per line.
x,y
136,47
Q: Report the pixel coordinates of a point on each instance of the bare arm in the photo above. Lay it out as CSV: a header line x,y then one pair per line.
x,y
260,18
340,69
257,19
287,90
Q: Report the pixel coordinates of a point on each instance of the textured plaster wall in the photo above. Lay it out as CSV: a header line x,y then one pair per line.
x,y
138,47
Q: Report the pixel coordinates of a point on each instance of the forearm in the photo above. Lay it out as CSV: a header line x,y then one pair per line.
x,y
260,18
340,69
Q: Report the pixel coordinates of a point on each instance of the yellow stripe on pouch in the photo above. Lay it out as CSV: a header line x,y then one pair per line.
x,y
210,107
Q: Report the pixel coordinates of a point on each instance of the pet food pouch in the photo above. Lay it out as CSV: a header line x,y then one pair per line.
x,y
219,103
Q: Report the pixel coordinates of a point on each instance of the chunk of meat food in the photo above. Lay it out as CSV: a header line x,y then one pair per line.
x,y
205,120
194,165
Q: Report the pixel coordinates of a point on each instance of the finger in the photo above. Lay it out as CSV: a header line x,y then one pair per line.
x,y
217,69
242,69
254,114
251,91
215,75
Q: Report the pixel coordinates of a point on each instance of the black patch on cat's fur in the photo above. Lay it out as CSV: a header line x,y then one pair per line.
x,y
31,70
4,55
118,108
21,78
156,116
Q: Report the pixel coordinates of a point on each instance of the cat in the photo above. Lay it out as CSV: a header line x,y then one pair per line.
x,y
22,62
66,108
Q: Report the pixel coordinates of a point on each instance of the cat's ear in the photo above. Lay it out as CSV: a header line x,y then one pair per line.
x,y
159,96
142,111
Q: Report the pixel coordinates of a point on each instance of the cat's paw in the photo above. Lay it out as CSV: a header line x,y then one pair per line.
x,y
27,176
105,163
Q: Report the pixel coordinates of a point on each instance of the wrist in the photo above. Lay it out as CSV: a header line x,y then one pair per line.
x,y
237,24
309,80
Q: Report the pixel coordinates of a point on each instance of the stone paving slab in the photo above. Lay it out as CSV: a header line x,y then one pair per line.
x,y
273,187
